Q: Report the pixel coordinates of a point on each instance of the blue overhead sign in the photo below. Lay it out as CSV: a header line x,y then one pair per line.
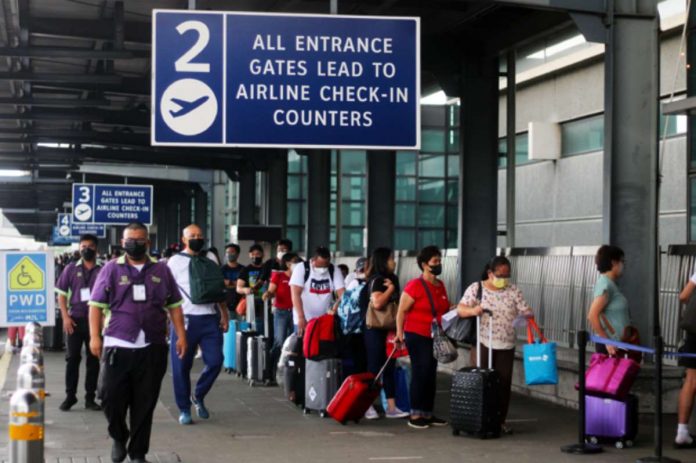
x,y
290,81
111,204
67,228
57,239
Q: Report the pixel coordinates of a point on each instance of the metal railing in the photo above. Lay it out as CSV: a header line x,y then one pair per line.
x,y
559,284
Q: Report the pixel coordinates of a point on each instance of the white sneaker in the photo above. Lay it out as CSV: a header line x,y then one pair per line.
x,y
371,413
396,413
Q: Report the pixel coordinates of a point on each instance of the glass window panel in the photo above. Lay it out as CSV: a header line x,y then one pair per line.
x,y
433,140
431,190
452,217
453,166
294,190
352,240
353,188
334,162
406,162
431,165
453,115
353,214
332,239
405,189
452,190
676,125
582,136
521,150
296,235
332,214
405,240
453,141
294,162
405,214
333,182
431,215
431,237
452,238
353,162
295,213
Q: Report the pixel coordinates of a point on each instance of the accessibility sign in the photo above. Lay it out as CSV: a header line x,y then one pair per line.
x,y
26,288
111,204
285,80
69,229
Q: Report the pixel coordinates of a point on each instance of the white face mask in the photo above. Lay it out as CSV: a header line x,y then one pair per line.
x,y
280,255
321,270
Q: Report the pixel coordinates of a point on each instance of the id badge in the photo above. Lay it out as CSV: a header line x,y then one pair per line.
x,y
84,294
139,294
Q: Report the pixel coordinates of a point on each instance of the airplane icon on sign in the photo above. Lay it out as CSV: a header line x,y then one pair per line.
x,y
186,106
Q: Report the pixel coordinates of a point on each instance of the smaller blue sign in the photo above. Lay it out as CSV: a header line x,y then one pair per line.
x,y
61,240
96,229
27,288
111,204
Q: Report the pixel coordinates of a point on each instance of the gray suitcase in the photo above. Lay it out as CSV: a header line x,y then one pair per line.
x,y
322,380
241,354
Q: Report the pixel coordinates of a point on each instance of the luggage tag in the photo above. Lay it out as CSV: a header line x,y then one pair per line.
x,y
84,294
139,293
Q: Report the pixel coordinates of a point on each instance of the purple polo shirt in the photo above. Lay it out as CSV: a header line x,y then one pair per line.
x,y
113,293
72,279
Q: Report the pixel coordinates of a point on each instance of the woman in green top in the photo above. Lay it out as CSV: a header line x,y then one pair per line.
x,y
609,310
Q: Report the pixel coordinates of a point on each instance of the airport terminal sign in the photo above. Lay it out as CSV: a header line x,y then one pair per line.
x,y
290,81
26,288
67,229
111,204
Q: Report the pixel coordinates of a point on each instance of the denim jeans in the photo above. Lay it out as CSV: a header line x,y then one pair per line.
x,y
282,328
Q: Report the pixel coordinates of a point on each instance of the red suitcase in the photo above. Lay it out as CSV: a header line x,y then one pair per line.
x,y
355,395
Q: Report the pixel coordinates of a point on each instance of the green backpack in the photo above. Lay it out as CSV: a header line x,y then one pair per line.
x,y
205,279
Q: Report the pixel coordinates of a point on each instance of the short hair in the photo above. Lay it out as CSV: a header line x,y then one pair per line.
x,y
606,255
256,247
426,254
233,246
136,226
290,257
89,237
344,269
285,242
322,252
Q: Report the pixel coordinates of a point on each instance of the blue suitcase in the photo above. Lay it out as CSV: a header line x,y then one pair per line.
x,y
229,345
402,377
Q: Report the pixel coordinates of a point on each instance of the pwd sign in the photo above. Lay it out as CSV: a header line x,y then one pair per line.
x,y
285,80
26,288
111,204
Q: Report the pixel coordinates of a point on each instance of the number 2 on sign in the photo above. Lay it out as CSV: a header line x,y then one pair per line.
x,y
184,63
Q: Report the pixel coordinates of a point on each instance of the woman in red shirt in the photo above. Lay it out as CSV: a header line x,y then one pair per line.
x,y
413,325
279,289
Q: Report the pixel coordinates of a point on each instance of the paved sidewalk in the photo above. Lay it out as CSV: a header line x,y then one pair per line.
x,y
258,425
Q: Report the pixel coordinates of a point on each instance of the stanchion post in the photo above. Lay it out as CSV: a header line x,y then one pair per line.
x,y
582,447
658,457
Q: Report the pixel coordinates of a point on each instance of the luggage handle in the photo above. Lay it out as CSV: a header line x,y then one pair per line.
x,y
266,316
490,340
381,371
532,328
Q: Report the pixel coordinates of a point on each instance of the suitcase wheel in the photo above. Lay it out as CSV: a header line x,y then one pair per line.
x,y
343,423
455,432
619,444
323,414
306,411
594,440
356,421
629,443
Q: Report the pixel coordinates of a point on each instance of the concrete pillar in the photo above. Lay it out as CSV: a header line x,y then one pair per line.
x,y
185,208
276,195
218,229
381,197
246,199
317,223
631,93
172,222
478,165
200,207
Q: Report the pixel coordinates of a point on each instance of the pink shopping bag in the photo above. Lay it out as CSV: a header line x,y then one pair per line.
x,y
610,376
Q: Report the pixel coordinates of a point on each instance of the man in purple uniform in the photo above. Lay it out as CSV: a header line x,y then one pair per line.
x,y
74,287
130,300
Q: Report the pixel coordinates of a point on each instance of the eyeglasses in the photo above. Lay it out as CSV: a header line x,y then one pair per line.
x,y
138,242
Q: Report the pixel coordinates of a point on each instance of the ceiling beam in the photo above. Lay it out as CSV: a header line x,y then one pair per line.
x,y
108,79
58,102
90,29
68,52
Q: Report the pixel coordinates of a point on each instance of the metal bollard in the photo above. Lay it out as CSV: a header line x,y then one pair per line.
x,y
31,354
26,429
30,376
33,328
32,339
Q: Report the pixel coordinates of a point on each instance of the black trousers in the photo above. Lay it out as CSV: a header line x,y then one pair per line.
x,y
131,381
423,374
503,361
79,338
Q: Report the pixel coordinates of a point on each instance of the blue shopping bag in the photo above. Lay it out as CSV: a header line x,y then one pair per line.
x,y
540,366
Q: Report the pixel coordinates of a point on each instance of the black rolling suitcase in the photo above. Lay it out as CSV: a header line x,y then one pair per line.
x,y
294,380
474,404
53,335
241,351
259,362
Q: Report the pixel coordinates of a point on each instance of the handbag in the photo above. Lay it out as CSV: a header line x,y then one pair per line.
x,y
630,335
610,376
241,307
539,355
381,319
463,329
444,350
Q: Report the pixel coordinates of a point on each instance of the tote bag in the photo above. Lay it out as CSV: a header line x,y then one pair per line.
x,y
540,363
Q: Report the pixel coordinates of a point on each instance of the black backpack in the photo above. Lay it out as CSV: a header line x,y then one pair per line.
x,y
205,279
307,270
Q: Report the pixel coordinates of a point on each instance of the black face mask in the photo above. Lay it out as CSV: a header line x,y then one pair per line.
x,y
196,245
256,260
436,269
88,254
134,249
231,257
